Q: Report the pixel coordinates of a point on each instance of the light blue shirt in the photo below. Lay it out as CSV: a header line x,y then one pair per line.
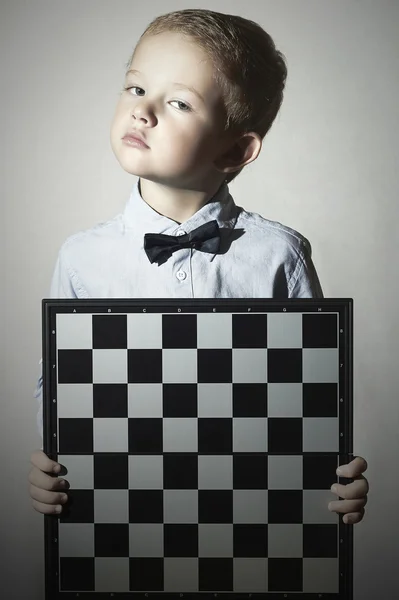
x,y
258,258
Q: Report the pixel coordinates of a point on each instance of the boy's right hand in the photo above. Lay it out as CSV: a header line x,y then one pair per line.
x,y
46,492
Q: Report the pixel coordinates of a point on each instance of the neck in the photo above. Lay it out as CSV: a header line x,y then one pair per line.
x,y
176,204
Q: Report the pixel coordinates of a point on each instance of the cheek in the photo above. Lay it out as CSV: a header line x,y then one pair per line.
x,y
185,141
201,146
118,124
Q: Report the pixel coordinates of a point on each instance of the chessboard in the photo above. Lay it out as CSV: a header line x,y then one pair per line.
x,y
200,439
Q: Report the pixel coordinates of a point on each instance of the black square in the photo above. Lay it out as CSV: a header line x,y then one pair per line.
x,y
111,539
249,399
109,331
180,471
285,434
76,574
215,574
320,400
285,506
110,400
146,574
215,436
75,366
249,330
79,508
179,331
284,365
145,435
180,400
215,366
75,436
215,506
319,471
145,506
111,471
250,540
285,574
320,330
144,366
181,540
320,540
250,471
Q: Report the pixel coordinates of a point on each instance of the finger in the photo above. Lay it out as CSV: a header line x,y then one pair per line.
x,y
357,489
47,509
346,506
352,518
47,497
40,460
353,469
41,480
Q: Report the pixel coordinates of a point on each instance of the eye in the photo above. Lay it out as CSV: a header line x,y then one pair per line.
x,y
178,101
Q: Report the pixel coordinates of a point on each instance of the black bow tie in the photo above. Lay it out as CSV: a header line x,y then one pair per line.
x,y
205,238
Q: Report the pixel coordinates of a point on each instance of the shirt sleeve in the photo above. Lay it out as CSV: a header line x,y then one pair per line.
x,y
61,287
304,282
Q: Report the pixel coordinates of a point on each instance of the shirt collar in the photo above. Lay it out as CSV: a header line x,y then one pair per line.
x,y
141,218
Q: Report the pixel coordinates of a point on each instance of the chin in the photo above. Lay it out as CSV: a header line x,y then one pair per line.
x,y
126,159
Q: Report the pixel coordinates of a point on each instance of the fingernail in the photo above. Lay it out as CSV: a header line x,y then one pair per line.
x,y
339,471
57,469
58,509
334,489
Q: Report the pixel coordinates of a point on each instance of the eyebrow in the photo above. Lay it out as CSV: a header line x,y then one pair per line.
x,y
176,83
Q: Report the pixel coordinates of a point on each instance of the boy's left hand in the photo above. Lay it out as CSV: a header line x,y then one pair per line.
x,y
355,493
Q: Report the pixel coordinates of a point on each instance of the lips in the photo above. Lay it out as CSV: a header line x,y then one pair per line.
x,y
134,136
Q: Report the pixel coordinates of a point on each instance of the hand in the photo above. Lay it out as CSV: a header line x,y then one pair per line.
x,y
355,493
46,491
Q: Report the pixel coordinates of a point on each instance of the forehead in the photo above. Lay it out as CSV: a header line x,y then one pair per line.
x,y
171,45
169,56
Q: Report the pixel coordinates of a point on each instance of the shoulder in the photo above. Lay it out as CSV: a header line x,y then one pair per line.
x,y
79,256
275,236
284,252
97,238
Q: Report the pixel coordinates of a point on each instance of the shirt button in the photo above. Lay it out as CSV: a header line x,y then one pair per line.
x,y
181,275
181,232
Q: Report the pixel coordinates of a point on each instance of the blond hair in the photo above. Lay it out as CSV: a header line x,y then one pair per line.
x,y
248,68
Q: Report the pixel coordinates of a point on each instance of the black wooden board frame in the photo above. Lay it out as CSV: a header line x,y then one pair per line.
x,y
342,306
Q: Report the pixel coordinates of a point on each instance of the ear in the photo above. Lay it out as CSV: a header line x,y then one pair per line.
x,y
243,151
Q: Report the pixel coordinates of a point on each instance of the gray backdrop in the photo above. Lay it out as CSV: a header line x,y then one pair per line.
x,y
328,168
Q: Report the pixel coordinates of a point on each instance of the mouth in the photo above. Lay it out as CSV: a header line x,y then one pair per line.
x,y
134,140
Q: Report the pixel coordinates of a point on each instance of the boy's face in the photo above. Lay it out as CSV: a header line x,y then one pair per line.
x,y
182,131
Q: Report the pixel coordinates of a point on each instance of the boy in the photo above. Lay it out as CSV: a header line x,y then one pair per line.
x,y
187,158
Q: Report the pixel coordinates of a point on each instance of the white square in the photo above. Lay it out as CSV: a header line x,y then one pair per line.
x,y
249,365
249,434
74,331
180,435
179,365
214,330
110,435
110,366
144,331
